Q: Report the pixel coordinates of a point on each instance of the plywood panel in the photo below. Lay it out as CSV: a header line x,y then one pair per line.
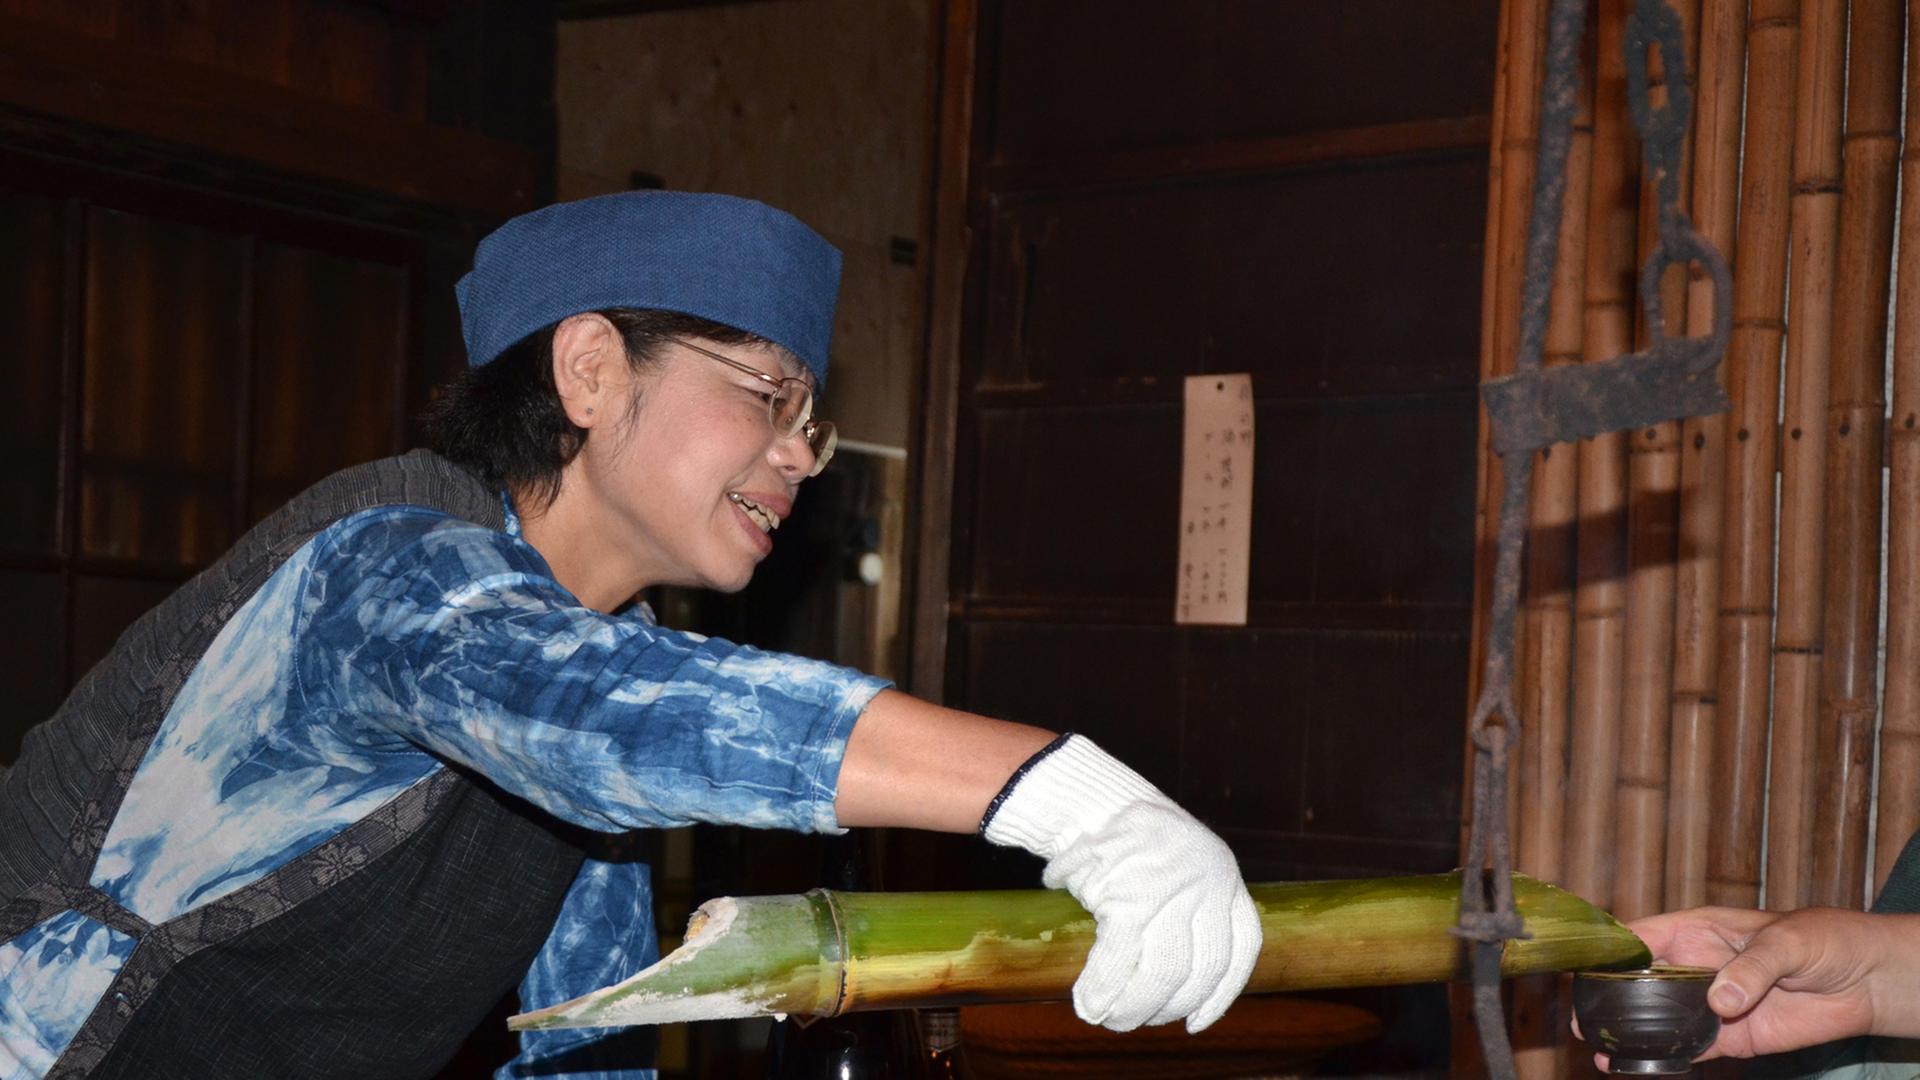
x,y
816,107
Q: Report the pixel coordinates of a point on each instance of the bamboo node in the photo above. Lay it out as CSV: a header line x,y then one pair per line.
x,y
1817,187
1797,650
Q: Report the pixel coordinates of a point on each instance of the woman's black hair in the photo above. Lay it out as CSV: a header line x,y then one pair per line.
x,y
504,421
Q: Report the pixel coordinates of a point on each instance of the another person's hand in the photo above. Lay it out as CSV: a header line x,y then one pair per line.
x,y
1177,934
1799,979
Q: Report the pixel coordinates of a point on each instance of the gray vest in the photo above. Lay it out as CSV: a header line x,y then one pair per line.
x,y
372,955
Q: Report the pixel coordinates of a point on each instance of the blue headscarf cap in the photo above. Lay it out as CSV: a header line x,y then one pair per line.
x,y
732,260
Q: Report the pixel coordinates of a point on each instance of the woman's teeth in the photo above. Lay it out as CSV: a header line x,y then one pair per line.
x,y
766,519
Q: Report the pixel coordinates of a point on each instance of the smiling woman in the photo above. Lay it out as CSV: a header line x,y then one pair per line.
x,y
383,749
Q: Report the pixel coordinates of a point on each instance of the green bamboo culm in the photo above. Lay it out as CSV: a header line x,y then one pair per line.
x,y
825,953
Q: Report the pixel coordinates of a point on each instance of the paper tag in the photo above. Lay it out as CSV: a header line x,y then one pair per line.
x,y
1216,501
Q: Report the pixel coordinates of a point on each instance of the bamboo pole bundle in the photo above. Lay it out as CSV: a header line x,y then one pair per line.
x,y
1516,135
1752,372
1855,425
1716,176
1653,491
1899,814
1599,600
1546,664
1515,141
826,953
1796,660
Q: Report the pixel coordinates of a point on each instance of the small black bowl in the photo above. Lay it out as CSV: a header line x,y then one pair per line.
x,y
1649,1022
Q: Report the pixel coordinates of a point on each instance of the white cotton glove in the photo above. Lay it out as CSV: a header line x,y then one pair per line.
x,y
1176,933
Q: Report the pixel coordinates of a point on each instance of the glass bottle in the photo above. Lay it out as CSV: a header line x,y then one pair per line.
x,y
939,1050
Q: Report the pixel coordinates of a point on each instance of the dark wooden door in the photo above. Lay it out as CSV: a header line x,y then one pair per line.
x,y
1164,189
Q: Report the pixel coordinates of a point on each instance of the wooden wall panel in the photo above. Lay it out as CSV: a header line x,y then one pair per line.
x,y
329,390
32,308
1359,501
1248,768
103,606
1209,70
1395,501
33,680
165,341
349,53
1148,211
1108,682
1286,276
1385,755
1057,470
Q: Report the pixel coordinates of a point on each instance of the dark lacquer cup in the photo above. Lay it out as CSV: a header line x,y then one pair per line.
x,y
1650,1021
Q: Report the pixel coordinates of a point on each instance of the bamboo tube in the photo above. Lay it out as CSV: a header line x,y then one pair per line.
x,y
1539,1010
1899,814
1855,425
1716,175
826,953
1752,371
1515,135
1653,488
1599,600
1796,635
1653,491
1547,664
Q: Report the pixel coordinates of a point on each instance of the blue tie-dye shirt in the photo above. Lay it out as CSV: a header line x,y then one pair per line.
x,y
394,642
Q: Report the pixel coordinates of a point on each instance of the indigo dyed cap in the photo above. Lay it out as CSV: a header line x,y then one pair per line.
x,y
732,260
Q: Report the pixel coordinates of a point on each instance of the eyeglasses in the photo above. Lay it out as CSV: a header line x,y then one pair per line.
x,y
789,408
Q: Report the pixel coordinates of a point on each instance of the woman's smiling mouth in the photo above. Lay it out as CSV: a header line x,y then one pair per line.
x,y
763,517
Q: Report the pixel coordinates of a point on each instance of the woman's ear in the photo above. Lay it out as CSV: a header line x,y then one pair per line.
x,y
589,359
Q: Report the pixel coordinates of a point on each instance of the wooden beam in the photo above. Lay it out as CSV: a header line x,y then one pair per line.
x,y
77,79
1244,156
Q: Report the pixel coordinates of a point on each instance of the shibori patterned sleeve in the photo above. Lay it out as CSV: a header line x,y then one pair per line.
x,y
459,642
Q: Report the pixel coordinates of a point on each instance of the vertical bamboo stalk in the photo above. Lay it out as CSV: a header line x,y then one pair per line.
x,y
1899,812
1716,177
1515,139
1546,666
1752,371
1855,425
1599,601
1653,488
1796,635
1515,133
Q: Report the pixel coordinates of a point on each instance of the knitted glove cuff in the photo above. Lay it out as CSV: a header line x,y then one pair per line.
x,y
1068,789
